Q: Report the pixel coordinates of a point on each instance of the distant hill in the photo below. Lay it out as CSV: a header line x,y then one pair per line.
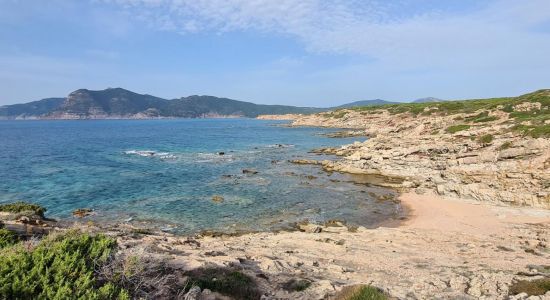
x,y
121,103
365,103
428,99
31,109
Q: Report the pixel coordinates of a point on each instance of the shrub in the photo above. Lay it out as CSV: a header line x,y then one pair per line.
x,y
294,285
18,207
457,128
226,281
534,287
486,139
508,108
533,130
361,292
485,119
505,145
59,267
7,238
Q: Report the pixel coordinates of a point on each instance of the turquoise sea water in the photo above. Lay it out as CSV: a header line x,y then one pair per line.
x,y
165,172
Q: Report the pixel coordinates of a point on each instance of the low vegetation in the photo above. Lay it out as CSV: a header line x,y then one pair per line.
x,y
535,131
529,114
58,267
20,207
7,238
482,117
361,292
296,285
486,139
457,128
532,288
225,281
463,106
505,145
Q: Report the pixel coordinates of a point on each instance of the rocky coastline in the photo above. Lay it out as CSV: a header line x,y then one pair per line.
x,y
478,225
451,155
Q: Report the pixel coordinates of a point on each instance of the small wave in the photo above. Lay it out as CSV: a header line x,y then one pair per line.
x,y
214,157
280,146
150,153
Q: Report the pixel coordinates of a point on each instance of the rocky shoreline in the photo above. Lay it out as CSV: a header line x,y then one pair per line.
x,y
446,249
446,154
478,225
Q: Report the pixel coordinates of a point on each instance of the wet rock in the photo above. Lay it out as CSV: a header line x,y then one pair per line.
x,y
305,162
82,212
249,171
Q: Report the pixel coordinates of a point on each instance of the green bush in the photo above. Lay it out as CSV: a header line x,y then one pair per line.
x,y
361,292
505,145
486,139
485,119
7,238
534,130
59,267
463,106
18,207
457,128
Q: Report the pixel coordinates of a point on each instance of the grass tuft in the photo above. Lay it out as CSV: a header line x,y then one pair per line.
x,y
361,292
457,128
505,145
534,130
486,139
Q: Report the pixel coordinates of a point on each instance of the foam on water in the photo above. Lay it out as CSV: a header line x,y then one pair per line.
x,y
151,153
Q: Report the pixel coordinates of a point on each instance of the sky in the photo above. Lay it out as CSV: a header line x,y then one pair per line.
x,y
297,52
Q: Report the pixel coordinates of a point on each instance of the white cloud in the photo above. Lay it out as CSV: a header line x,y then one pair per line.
x,y
376,28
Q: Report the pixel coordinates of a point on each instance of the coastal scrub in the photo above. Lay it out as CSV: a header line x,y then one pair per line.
x,y
19,207
457,128
59,267
361,292
7,238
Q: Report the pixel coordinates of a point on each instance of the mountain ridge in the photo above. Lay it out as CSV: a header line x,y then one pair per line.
x,y
365,103
119,103
427,100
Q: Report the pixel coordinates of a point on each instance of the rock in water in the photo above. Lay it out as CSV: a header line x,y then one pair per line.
x,y
249,171
217,198
82,212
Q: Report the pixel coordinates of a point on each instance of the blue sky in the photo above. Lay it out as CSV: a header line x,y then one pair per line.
x,y
298,52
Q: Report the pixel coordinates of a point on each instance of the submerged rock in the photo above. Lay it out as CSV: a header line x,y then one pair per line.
x,y
249,171
82,212
217,198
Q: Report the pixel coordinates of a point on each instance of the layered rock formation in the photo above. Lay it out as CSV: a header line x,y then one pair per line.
x,y
480,154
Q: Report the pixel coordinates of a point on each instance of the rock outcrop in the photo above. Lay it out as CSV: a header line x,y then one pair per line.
x,y
451,154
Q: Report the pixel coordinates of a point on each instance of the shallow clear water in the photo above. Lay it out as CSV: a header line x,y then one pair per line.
x,y
65,165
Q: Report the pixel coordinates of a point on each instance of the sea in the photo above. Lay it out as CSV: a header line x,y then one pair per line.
x,y
184,175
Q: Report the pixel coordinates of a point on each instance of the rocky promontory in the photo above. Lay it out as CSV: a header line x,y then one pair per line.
x,y
494,150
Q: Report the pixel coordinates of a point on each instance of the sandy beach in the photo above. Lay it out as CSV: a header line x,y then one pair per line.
x,y
446,249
